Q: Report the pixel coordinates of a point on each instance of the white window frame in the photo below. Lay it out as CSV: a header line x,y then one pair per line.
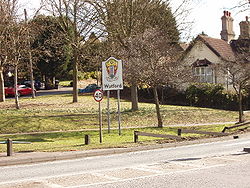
x,y
203,73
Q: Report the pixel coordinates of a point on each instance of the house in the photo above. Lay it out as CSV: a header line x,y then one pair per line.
x,y
205,54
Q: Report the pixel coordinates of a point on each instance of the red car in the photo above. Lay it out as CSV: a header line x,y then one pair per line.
x,y
21,89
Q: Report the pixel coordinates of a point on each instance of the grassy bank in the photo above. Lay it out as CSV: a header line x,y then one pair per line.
x,y
72,141
53,113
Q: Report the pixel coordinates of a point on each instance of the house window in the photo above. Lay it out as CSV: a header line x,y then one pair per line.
x,y
204,74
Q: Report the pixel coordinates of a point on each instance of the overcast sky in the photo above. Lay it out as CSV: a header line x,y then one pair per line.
x,y
206,15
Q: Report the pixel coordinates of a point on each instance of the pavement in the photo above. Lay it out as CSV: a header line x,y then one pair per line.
x,y
37,157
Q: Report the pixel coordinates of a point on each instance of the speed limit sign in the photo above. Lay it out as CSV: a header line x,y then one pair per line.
x,y
98,95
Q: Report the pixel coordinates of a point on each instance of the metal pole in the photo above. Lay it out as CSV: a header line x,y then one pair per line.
x,y
100,122
119,111
108,112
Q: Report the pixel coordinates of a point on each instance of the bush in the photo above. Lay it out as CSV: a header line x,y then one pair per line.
x,y
200,95
84,75
213,96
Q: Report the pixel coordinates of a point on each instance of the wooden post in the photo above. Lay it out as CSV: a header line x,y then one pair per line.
x,y
135,136
9,147
179,132
87,139
225,128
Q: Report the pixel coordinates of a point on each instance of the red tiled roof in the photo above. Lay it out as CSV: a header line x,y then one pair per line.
x,y
220,47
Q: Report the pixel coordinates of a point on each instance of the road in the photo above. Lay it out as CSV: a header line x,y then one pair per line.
x,y
217,164
61,90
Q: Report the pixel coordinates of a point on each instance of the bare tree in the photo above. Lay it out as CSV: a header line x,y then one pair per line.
x,y
30,64
125,19
8,11
242,6
156,56
77,19
238,70
17,48
94,51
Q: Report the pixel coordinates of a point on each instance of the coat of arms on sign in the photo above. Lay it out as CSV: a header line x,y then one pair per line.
x,y
111,67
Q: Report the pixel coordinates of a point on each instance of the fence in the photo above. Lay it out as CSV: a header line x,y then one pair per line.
x,y
137,133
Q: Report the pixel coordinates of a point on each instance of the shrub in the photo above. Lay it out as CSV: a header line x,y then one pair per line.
x,y
200,95
213,96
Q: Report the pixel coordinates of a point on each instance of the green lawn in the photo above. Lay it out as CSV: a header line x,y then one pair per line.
x,y
65,83
58,113
51,113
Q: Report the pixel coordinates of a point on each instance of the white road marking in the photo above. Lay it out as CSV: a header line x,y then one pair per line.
x,y
105,176
186,164
58,176
52,185
240,143
147,170
142,177
101,173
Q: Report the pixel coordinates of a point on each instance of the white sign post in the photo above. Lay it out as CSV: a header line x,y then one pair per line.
x,y
98,96
112,80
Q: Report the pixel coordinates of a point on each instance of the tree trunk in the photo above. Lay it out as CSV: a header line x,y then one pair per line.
x,y
157,106
241,115
75,77
162,95
134,97
16,90
2,93
31,75
30,59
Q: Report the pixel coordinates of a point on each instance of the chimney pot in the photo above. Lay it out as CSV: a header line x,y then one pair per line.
x,y
227,32
247,18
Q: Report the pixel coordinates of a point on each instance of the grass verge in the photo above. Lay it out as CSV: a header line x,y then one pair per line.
x,y
58,113
55,113
73,141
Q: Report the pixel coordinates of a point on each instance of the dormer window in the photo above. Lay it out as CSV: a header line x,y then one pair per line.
x,y
203,71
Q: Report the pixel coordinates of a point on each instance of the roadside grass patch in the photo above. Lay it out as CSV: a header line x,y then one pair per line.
x,y
58,112
74,141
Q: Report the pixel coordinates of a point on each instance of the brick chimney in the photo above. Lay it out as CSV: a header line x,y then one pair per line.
x,y
245,29
227,32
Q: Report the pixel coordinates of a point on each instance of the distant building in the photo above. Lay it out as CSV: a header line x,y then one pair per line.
x,y
205,54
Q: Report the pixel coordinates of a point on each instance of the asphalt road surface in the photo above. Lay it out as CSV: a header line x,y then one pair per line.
x,y
61,90
217,164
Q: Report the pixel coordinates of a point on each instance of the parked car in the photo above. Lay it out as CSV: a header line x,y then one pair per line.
x,y
37,84
21,90
89,88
